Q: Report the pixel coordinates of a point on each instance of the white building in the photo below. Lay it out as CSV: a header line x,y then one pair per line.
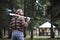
x,y
45,29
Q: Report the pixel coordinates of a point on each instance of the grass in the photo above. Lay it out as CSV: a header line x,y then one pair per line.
x,y
42,39
36,38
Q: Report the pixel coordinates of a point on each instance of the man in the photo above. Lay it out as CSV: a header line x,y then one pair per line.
x,y
17,25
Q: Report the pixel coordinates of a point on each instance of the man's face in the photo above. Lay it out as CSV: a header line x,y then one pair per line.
x,y
20,12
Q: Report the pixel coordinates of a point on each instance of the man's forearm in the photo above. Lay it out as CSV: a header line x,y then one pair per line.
x,y
26,24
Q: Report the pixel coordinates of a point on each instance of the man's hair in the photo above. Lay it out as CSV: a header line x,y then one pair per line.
x,y
19,10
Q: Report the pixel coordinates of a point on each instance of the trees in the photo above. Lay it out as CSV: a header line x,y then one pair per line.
x,y
54,11
38,9
4,18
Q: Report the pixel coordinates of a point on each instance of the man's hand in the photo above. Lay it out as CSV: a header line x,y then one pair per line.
x,y
28,19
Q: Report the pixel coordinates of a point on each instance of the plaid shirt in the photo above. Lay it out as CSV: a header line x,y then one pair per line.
x,y
17,24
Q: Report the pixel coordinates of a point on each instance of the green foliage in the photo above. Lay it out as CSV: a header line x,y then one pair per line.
x,y
12,4
20,4
37,14
58,24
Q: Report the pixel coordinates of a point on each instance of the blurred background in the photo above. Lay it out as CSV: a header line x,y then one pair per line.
x,y
45,14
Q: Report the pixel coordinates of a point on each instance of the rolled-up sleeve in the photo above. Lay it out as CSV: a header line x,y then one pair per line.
x,y
25,24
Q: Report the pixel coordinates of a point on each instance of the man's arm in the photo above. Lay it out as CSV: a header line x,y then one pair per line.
x,y
25,22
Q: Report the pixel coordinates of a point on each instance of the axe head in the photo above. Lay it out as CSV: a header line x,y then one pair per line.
x,y
9,11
